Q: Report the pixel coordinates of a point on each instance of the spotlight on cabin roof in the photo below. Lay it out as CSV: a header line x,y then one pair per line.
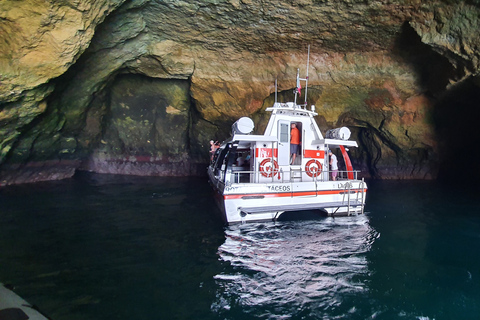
x,y
243,125
342,133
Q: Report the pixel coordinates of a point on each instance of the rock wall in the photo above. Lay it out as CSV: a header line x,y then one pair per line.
x,y
147,135
140,87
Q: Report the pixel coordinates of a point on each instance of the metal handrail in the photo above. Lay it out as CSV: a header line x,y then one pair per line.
x,y
346,191
362,187
237,176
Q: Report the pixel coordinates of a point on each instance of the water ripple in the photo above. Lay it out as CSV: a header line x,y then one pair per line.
x,y
293,269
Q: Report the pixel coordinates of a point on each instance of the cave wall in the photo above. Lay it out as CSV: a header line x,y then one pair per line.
x,y
141,87
144,129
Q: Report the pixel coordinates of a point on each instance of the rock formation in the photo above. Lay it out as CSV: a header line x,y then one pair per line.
x,y
140,87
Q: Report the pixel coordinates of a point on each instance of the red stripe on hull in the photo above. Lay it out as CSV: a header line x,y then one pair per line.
x,y
290,194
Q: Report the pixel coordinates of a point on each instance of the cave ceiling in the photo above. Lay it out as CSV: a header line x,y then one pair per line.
x,y
377,66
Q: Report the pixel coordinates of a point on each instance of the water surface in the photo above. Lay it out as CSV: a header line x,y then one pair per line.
x,y
116,247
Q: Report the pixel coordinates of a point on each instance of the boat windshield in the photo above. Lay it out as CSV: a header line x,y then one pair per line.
x,y
221,159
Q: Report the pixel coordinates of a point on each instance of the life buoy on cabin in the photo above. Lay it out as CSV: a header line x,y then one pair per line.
x,y
267,169
313,168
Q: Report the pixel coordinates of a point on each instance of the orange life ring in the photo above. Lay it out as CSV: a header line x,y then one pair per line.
x,y
313,168
267,169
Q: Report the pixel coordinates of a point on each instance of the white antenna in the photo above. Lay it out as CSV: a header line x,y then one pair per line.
x,y
275,90
306,79
296,89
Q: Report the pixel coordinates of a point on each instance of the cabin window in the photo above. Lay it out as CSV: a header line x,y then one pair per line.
x,y
221,159
242,158
284,132
215,156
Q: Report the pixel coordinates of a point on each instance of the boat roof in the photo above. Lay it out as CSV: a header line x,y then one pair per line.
x,y
333,143
253,138
336,142
291,106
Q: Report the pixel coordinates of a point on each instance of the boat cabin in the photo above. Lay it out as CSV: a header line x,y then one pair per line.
x,y
247,158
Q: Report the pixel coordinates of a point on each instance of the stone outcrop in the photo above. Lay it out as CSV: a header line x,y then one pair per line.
x,y
140,87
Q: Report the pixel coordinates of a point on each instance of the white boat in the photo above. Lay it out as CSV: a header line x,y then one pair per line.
x,y
254,176
13,307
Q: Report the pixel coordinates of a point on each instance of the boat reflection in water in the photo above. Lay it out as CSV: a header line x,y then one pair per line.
x,y
294,269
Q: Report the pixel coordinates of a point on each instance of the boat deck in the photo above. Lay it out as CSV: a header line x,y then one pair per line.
x,y
299,207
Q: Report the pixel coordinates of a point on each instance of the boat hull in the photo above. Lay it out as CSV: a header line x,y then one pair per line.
x,y
267,201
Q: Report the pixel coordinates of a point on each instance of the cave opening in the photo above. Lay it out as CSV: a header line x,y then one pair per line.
x,y
455,108
433,71
455,117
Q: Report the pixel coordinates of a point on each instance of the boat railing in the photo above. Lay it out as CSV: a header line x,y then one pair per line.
x,y
292,175
358,194
362,187
344,175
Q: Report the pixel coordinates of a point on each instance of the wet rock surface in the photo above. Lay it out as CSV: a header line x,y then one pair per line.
x,y
141,87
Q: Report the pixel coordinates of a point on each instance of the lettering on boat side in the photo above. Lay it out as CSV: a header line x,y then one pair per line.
x,y
228,189
278,188
346,185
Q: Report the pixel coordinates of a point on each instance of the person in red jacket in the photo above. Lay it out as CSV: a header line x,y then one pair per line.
x,y
294,142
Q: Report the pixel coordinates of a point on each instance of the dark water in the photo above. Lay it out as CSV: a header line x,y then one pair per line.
x,y
113,247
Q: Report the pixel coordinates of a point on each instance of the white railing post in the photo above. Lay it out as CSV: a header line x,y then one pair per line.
x,y
349,188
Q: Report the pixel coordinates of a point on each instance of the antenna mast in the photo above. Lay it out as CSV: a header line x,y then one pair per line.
x,y
306,79
298,86
275,90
